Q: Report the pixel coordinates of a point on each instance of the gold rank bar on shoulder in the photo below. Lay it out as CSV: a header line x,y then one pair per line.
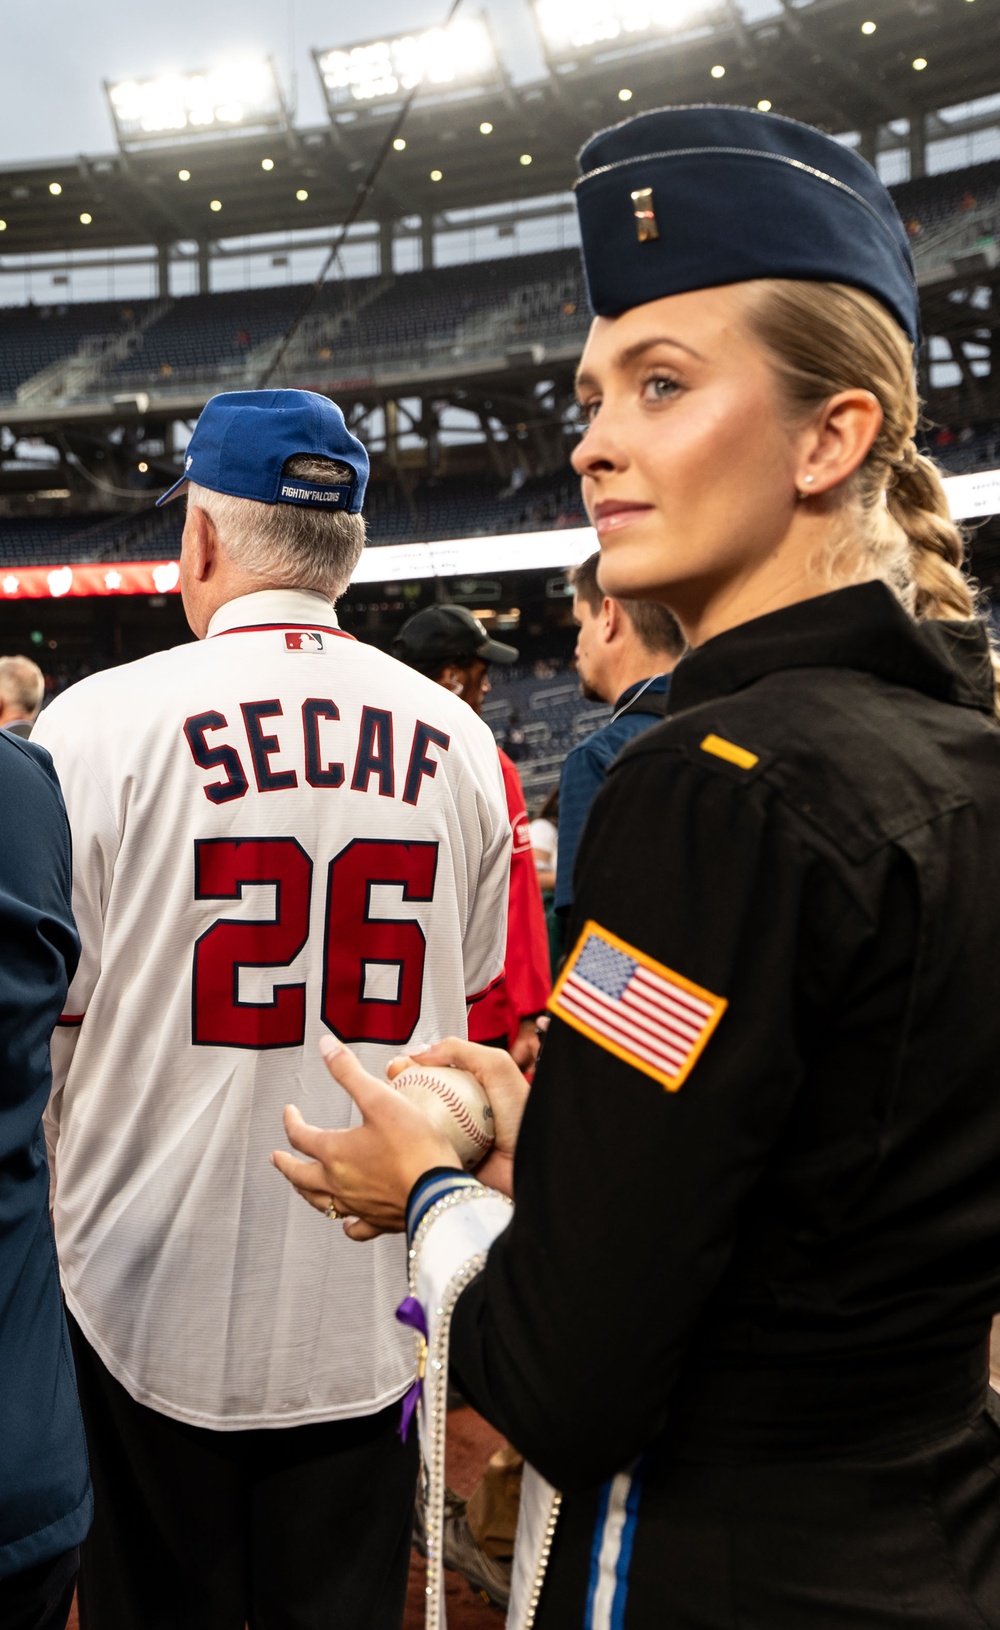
x,y
720,748
646,229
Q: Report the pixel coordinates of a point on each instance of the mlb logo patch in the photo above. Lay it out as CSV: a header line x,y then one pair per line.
x,y
634,1007
303,639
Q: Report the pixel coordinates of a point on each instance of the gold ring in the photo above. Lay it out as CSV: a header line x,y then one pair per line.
x,y
331,1211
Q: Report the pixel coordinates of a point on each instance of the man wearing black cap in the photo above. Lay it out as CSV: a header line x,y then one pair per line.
x,y
278,834
452,647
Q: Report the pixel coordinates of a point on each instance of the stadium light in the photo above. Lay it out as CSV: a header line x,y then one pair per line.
x,y
439,59
569,26
239,96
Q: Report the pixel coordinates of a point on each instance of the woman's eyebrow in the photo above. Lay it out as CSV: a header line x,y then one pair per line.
x,y
625,358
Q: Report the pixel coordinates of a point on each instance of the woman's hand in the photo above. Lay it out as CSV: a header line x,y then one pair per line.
x,y
366,1173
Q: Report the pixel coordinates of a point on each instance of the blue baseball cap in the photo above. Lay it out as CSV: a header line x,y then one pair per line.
x,y
244,439
694,197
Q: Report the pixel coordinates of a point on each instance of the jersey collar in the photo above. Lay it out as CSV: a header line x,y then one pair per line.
x,y
286,607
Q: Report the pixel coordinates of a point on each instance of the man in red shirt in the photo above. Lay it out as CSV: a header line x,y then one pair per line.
x,y
452,647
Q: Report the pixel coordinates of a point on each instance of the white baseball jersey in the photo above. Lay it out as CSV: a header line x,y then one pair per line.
x,y
277,831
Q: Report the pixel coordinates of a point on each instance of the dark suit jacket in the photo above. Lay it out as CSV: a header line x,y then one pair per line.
x,y
45,1499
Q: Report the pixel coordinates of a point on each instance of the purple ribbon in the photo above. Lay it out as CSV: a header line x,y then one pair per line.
x,y
410,1312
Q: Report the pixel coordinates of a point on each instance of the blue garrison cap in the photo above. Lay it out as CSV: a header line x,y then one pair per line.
x,y
244,439
693,197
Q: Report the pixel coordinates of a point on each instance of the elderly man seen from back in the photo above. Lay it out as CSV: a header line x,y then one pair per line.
x,y
279,834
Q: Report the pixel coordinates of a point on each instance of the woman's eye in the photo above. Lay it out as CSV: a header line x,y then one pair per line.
x,y
586,412
659,388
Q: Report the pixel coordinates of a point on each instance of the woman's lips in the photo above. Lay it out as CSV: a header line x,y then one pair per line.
x,y
612,515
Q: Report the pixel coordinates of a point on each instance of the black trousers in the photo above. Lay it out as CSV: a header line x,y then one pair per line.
x,y
40,1598
296,1529
910,1542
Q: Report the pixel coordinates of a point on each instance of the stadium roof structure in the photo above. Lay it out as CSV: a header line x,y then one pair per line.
x,y
812,61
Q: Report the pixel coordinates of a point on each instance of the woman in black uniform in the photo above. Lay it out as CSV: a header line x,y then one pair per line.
x,y
740,1313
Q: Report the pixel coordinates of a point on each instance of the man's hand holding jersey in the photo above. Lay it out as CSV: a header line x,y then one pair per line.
x,y
365,1175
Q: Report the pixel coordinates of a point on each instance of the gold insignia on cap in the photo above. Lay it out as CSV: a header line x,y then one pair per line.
x,y
646,229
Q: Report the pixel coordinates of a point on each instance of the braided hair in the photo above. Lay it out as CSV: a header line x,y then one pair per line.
x,y
825,338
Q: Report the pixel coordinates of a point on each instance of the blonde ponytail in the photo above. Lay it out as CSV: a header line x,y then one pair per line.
x,y
826,338
916,500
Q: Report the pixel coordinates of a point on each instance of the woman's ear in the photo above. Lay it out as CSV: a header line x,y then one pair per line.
x,y
837,442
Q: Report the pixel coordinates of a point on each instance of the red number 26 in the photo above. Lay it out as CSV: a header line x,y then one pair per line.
x,y
356,942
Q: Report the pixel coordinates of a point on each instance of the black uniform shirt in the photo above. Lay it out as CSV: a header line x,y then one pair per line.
x,y
797,1251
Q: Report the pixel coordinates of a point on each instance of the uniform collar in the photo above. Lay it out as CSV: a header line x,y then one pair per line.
x,y
286,607
863,627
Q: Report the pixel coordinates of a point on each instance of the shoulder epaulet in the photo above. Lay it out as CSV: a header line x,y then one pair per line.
x,y
719,747
861,772
733,755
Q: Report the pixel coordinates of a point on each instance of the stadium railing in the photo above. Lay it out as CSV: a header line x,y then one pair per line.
x,y
393,327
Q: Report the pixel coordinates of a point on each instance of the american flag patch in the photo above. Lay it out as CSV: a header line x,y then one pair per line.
x,y
646,1014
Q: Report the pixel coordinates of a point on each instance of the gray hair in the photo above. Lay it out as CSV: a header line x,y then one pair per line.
x,y
289,546
22,684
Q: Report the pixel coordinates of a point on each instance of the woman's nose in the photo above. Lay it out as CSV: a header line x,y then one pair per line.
x,y
597,451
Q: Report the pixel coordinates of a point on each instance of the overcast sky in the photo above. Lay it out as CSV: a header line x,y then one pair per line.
x,y
54,56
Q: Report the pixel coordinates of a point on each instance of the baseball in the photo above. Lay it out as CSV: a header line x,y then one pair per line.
x,y
454,1103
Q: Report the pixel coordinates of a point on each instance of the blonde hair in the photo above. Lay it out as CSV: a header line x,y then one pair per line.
x,y
825,338
294,546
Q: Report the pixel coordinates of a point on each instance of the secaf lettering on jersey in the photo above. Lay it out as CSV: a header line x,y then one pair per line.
x,y
276,831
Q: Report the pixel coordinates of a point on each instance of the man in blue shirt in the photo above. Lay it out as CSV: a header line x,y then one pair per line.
x,y
45,1499
626,651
